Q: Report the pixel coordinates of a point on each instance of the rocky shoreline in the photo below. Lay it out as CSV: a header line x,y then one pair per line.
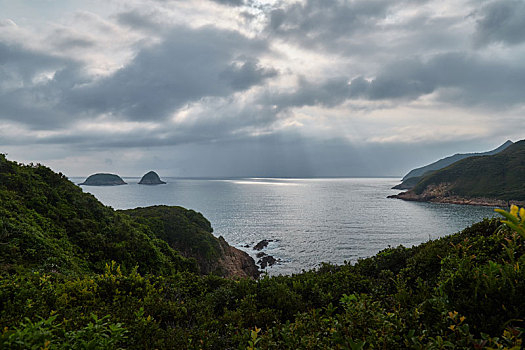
x,y
440,194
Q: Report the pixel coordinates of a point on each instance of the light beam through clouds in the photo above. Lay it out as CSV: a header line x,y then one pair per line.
x,y
258,88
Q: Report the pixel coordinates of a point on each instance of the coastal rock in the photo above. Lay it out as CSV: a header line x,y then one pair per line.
x,y
236,263
151,178
103,179
440,194
262,244
267,260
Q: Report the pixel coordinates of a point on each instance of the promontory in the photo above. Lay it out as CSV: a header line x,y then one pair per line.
x,y
492,180
151,178
102,179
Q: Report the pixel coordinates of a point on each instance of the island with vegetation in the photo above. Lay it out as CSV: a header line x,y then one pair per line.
x,y
151,178
103,179
75,274
414,176
492,180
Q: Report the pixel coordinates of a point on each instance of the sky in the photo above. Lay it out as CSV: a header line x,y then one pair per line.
x,y
226,88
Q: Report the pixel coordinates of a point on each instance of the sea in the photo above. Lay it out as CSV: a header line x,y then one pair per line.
x,y
308,221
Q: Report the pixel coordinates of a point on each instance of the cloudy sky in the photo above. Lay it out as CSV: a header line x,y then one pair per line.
x,y
258,88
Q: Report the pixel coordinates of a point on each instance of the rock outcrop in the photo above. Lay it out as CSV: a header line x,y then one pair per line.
x,y
265,260
236,263
433,195
262,244
103,179
151,178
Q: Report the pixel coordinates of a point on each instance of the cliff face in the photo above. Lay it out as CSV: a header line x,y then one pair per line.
x,y
236,263
151,178
103,180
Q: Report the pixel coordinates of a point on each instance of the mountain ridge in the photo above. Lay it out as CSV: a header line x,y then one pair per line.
x,y
493,180
413,176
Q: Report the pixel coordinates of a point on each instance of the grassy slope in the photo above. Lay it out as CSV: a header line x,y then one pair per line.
x,y
498,176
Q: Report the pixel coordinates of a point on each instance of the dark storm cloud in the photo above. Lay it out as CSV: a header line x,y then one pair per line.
x,y
362,28
230,2
65,40
323,22
328,93
32,83
458,78
474,80
137,20
501,21
187,66
243,75
18,64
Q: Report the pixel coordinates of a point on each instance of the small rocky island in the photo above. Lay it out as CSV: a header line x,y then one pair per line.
x,y
103,180
151,178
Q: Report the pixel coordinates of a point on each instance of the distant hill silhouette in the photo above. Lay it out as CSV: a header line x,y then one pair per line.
x,y
491,180
415,175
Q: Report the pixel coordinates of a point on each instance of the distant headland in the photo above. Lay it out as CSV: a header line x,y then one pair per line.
x,y
490,180
103,180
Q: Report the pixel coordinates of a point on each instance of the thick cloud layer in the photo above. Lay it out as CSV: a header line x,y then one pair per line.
x,y
327,76
501,21
187,66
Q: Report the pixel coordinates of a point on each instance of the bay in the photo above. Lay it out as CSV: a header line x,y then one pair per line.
x,y
309,220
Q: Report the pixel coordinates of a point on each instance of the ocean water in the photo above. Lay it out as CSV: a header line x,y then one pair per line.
x,y
309,220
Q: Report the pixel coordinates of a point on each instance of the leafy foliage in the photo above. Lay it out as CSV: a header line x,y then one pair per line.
x,y
185,231
48,223
462,291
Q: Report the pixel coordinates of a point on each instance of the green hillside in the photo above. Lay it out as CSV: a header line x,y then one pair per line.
x,y
189,233
415,175
442,163
498,176
48,224
75,274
